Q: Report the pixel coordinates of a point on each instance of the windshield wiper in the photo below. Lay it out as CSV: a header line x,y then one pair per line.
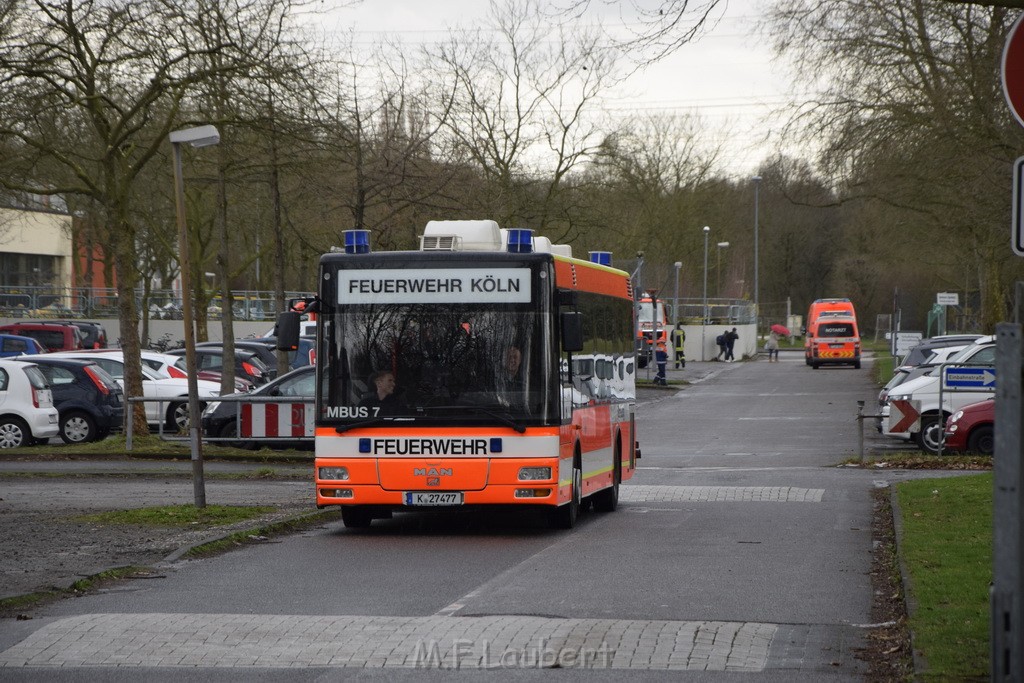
x,y
504,418
341,429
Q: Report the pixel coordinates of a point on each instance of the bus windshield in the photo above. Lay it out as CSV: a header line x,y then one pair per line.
x,y
437,363
646,314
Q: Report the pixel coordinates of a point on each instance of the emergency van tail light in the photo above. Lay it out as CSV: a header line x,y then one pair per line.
x,y
520,241
534,473
334,473
357,241
532,493
104,389
602,258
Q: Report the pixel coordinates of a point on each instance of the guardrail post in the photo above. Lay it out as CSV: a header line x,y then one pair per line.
x,y
860,430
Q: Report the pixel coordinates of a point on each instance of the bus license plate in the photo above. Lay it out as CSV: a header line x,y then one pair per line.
x,y
433,498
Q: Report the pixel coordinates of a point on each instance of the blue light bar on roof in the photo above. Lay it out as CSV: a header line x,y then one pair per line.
x,y
603,258
520,241
357,241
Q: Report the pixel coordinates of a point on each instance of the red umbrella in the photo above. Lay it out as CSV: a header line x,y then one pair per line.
x,y
780,329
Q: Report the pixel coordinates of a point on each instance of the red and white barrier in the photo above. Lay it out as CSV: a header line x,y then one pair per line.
x,y
276,420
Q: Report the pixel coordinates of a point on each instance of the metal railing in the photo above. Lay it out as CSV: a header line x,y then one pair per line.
x,y
237,400
162,304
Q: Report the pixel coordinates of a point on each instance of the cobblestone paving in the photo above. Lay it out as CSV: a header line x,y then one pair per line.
x,y
236,640
718,494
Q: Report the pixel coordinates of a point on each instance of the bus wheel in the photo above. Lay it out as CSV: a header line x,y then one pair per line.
x,y
608,499
564,516
354,517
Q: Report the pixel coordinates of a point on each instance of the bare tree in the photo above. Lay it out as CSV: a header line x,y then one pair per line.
x,y
912,116
525,113
90,90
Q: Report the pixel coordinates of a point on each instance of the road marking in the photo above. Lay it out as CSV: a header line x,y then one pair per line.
x,y
435,642
718,494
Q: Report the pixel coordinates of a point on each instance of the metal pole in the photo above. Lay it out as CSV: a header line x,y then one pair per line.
x,y
675,301
757,311
1007,591
198,483
704,314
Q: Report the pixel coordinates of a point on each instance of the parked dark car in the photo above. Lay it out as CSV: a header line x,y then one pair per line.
x,y
88,399
14,345
248,366
264,352
301,357
52,335
94,335
221,418
924,348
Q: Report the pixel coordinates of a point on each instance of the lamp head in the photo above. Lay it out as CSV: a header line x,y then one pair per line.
x,y
200,136
707,229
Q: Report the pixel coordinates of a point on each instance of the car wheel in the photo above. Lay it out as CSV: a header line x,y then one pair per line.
x,y
356,517
177,417
930,437
564,516
77,427
982,441
14,433
230,430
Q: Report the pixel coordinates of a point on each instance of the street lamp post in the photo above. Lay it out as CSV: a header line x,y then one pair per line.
x,y
718,269
201,136
675,301
757,310
704,314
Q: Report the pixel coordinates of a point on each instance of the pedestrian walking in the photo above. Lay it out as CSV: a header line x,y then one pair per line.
x,y
661,358
720,340
730,342
772,347
679,340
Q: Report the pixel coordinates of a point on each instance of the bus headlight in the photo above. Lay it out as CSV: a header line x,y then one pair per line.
x,y
534,473
334,473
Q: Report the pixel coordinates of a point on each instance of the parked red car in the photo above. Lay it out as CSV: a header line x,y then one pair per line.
x,y
972,429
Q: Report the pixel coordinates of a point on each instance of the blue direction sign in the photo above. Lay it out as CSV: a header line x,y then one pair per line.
x,y
983,379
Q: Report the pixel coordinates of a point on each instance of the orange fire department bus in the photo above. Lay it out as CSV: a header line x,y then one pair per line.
x,y
487,368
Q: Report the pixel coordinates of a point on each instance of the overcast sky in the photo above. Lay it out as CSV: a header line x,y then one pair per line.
x,y
727,76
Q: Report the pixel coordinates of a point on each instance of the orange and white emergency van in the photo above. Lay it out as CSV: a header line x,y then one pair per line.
x,y
835,341
827,308
488,368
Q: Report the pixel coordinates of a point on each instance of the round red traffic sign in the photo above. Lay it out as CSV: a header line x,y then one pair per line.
x,y
1013,69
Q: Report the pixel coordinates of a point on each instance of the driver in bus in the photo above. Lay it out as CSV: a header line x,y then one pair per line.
x,y
383,393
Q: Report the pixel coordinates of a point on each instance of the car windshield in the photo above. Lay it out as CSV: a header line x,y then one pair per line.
x,y
436,361
971,355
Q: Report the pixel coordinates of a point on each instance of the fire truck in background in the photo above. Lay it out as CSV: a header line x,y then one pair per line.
x,y
652,327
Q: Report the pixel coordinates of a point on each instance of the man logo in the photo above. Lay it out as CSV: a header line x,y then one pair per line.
x,y
432,472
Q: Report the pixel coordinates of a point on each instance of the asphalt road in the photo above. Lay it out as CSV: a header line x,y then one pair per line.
x,y
739,551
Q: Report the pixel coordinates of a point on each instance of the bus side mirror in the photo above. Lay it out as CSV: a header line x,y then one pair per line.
x,y
288,331
572,331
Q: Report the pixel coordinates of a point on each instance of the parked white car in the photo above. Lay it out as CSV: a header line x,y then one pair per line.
x,y
173,412
27,414
924,392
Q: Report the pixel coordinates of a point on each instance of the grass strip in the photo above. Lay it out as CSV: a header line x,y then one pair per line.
x,y
180,515
947,550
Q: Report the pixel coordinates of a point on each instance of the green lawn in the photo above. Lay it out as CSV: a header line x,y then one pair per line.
x,y
946,547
